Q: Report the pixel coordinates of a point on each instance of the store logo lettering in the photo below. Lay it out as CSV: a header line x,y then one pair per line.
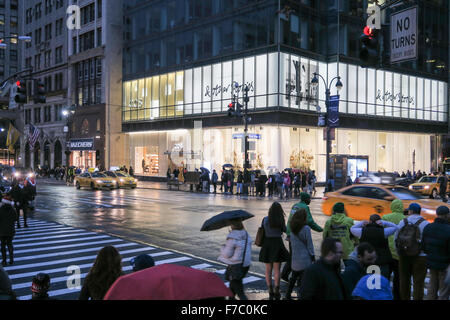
x,y
136,103
218,89
388,96
81,145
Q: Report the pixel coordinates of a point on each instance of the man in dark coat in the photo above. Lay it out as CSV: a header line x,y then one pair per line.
x,y
376,232
323,280
8,218
356,268
443,181
436,243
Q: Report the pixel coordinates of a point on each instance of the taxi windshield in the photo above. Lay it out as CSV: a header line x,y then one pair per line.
x,y
428,179
404,194
120,174
98,175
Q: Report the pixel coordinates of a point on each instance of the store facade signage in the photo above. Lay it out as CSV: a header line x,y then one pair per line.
x,y
136,103
217,90
404,37
390,97
255,136
81,145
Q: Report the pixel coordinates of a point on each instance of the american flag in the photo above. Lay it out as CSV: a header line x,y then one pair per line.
x,y
33,135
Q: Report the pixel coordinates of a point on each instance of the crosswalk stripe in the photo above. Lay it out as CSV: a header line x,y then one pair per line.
x,y
19,231
83,266
90,243
48,246
57,237
34,244
49,255
48,233
64,278
43,230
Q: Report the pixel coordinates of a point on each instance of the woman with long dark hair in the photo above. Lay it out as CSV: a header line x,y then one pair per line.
x,y
302,248
273,252
106,270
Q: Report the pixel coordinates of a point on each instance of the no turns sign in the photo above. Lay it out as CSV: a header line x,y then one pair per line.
x,y
404,37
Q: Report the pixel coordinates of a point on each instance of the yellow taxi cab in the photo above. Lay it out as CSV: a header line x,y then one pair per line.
x,y
427,186
122,179
363,200
94,180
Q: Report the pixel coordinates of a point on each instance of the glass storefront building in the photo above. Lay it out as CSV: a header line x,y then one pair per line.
x,y
176,93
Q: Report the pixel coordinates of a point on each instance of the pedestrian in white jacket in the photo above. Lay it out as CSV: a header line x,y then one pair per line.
x,y
237,254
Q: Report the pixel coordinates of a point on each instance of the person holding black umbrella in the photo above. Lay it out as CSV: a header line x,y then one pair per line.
x,y
237,254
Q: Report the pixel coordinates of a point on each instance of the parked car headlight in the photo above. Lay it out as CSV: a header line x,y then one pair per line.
x,y
411,187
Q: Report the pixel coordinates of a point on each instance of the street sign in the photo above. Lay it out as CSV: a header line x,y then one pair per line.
x,y
333,112
255,136
404,38
81,144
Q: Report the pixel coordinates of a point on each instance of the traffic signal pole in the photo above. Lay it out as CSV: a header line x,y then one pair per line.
x,y
246,100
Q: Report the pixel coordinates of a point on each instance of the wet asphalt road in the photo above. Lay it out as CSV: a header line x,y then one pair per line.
x,y
167,219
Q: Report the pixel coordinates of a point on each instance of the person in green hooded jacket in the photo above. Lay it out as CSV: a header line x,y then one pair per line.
x,y
305,200
338,227
396,216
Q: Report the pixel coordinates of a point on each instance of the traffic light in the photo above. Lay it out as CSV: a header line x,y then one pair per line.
x,y
369,50
232,109
21,96
39,92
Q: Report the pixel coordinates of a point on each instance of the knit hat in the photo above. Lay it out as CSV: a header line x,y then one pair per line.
x,y
362,290
442,211
414,207
41,283
305,196
338,208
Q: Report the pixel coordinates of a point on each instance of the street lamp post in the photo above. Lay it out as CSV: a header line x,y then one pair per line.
x,y
68,114
339,85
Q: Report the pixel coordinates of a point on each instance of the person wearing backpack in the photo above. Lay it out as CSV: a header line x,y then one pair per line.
x,y
436,244
376,232
395,217
338,227
408,242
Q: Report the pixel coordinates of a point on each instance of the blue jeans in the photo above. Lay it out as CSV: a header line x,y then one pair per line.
x,y
239,187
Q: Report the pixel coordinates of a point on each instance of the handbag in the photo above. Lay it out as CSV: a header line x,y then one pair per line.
x,y
260,235
237,271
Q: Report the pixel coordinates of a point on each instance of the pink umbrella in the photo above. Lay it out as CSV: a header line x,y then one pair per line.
x,y
168,282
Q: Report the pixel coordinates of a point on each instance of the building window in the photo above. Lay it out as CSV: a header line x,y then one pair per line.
x,y
98,125
48,114
37,61
29,44
98,93
58,112
48,6
99,37
38,11
74,45
37,115
58,55
59,27
48,83
85,127
28,63
99,9
59,4
48,32
99,67
37,36
48,59
28,116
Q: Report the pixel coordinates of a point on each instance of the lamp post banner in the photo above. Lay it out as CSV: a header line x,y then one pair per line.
x,y
333,112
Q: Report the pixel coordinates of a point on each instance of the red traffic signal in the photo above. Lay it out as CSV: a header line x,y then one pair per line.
x,y
368,31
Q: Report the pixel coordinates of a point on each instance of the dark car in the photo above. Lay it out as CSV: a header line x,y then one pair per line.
x,y
404,182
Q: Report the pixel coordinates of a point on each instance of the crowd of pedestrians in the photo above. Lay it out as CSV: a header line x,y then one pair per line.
x,y
400,246
283,184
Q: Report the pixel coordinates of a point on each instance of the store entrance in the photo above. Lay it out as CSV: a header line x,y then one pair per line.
x,y
84,159
342,166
